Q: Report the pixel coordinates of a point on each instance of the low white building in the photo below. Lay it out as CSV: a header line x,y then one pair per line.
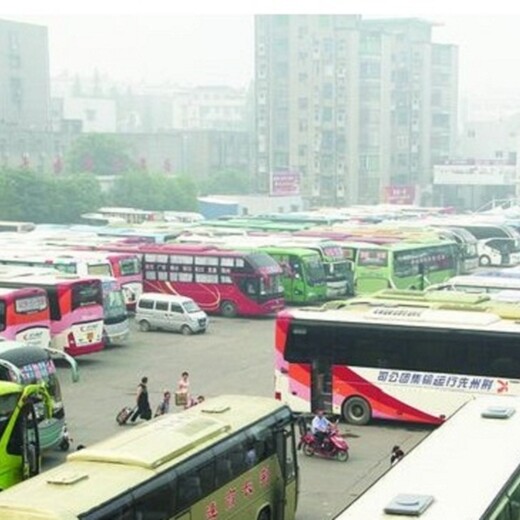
x,y
96,114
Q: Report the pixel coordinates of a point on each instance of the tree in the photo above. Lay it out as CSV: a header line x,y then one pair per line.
x,y
98,153
229,182
26,195
71,196
154,191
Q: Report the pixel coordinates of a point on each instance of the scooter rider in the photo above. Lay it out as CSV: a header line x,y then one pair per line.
x,y
320,427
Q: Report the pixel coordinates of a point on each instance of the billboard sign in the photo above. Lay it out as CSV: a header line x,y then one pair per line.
x,y
285,182
399,194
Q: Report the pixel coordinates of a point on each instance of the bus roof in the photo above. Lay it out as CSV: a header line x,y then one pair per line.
x,y
20,354
123,461
406,316
20,291
50,277
484,282
463,466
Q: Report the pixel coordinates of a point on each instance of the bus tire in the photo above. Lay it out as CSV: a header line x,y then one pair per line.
x,y
356,411
64,445
185,330
265,514
484,260
144,326
228,309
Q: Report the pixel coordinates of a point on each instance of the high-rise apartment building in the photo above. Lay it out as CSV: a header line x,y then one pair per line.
x,y
357,107
24,76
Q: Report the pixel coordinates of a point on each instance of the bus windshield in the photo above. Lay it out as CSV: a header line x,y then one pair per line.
x,y
30,304
314,271
338,270
86,293
129,266
8,403
113,303
271,285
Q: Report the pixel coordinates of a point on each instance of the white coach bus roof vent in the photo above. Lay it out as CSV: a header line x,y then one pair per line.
x,y
409,505
498,412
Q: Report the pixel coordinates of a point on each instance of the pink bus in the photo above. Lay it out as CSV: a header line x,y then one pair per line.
x,y
76,307
126,269
221,281
25,316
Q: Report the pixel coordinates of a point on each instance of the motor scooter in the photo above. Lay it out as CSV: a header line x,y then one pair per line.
x,y
333,447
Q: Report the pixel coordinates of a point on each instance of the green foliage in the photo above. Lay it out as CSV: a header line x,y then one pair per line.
x,y
98,153
154,191
29,196
229,182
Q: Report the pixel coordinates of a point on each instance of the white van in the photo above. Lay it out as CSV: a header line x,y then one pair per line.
x,y
169,312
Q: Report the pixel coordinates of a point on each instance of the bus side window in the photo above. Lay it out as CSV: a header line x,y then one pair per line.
x,y
155,499
195,480
223,471
189,490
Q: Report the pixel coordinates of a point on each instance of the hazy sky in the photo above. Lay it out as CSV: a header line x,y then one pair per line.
x,y
198,45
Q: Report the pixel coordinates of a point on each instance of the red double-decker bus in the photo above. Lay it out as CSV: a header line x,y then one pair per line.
x,y
221,281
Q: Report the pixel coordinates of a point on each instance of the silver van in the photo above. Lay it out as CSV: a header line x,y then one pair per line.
x,y
169,312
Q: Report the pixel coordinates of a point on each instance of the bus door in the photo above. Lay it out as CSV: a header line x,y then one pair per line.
x,y
25,435
298,289
321,385
286,493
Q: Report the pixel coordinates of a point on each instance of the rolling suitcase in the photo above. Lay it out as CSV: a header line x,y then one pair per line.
x,y
125,414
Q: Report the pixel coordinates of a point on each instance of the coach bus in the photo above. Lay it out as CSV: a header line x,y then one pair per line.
x,y
35,365
403,265
401,363
20,456
220,281
25,316
304,278
339,274
231,458
467,468
116,328
76,307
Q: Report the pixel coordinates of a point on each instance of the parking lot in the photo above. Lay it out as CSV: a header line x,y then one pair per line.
x,y
234,356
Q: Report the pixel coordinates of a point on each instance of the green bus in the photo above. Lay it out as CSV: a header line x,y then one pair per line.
x,y
401,265
304,278
36,365
20,455
231,457
339,273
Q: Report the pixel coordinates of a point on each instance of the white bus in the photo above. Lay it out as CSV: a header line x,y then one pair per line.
x,y
400,363
469,468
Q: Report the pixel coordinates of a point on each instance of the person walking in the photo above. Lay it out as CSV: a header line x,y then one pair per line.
x,y
143,403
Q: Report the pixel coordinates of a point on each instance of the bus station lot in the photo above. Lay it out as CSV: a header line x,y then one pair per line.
x,y
235,356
